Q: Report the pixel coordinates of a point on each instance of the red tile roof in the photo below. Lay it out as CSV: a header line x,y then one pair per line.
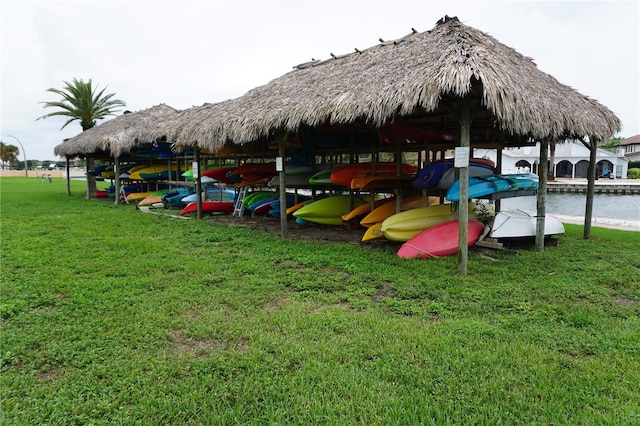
x,y
633,140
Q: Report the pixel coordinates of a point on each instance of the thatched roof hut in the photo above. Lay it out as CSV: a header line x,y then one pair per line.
x,y
418,75
117,136
173,128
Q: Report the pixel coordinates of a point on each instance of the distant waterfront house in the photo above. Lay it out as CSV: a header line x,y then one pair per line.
x,y
571,160
631,148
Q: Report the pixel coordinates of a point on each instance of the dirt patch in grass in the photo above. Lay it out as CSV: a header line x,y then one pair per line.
x,y
288,264
201,348
385,290
623,301
308,232
278,302
50,374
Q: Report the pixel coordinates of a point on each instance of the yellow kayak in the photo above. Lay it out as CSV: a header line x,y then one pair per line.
x,y
373,232
364,208
379,214
136,196
151,199
296,207
327,211
405,225
150,170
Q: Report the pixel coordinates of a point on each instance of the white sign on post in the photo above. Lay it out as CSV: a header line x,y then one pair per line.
x,y
194,167
462,157
279,164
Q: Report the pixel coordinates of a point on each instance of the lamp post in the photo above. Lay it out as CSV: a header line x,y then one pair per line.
x,y
26,172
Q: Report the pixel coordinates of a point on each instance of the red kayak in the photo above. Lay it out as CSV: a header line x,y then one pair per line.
x,y
209,207
440,240
343,175
219,174
254,173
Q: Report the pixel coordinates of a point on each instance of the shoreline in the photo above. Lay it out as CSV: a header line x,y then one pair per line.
x,y
601,222
601,186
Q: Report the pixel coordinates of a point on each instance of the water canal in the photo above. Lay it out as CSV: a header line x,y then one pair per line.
x,y
605,205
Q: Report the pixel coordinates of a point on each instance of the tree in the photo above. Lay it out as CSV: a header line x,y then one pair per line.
x,y
8,154
82,102
613,143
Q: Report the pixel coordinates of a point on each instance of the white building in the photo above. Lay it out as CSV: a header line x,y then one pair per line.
x,y
571,160
631,148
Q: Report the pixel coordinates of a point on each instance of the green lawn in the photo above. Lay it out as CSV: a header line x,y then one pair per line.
x,y
112,316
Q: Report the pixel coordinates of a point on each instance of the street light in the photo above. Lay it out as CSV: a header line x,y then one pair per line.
x,y
26,172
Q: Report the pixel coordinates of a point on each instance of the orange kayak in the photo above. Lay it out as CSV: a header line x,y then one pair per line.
x,y
343,175
379,214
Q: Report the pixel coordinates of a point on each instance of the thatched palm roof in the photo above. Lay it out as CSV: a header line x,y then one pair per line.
x,y
413,74
174,127
118,135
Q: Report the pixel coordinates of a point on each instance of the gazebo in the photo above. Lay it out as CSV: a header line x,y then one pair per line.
x,y
116,137
452,79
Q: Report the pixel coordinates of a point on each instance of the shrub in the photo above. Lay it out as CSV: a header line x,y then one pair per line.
x,y
633,173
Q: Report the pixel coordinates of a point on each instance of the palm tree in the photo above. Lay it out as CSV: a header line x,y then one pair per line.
x,y
8,154
82,102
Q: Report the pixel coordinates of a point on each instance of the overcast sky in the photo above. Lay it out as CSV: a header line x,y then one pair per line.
x,y
185,53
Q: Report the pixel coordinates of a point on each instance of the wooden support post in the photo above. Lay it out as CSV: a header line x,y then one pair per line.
x,y
464,119
498,204
89,175
68,169
552,161
283,190
353,157
541,198
591,185
116,171
198,182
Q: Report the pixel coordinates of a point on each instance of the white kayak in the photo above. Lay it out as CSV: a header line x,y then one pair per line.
x,y
522,223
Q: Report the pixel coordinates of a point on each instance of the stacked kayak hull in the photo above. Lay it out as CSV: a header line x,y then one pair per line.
x,y
388,209
405,225
481,186
521,224
208,207
440,240
440,174
327,211
343,175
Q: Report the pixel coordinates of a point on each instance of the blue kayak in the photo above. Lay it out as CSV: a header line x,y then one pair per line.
x,y
211,194
439,174
175,196
481,186
429,177
291,200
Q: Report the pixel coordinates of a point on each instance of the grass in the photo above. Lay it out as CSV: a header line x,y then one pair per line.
x,y
111,316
